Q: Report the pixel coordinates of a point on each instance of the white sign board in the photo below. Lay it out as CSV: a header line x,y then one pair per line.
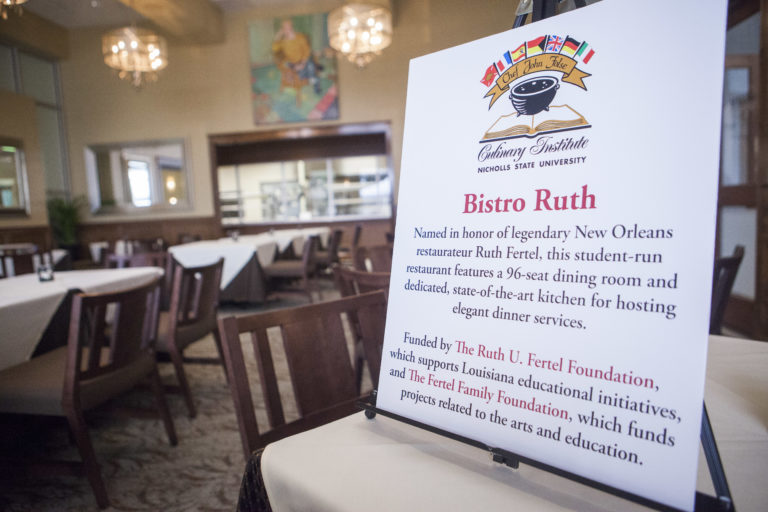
x,y
552,273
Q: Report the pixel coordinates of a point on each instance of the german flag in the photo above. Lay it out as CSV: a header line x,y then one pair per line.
x,y
536,46
490,74
570,46
518,54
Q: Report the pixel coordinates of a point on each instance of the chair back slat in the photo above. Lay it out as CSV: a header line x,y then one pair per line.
x,y
725,270
371,321
268,378
108,331
318,359
333,246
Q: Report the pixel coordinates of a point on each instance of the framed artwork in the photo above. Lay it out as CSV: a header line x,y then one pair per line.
x,y
293,70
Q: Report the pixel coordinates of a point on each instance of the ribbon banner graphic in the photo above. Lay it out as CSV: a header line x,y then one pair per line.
x,y
544,62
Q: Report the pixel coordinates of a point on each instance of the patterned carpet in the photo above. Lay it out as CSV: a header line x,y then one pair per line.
x,y
141,470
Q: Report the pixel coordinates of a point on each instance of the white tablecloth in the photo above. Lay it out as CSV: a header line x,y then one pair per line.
x,y
238,253
27,305
381,464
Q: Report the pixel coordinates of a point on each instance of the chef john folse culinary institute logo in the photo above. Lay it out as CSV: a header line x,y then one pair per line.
x,y
530,74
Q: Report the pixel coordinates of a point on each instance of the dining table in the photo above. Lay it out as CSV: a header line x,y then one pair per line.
x,y
382,464
242,278
28,305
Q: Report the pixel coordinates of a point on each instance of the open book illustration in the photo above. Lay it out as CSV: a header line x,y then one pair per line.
x,y
558,117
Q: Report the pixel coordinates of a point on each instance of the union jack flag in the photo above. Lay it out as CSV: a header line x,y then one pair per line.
x,y
554,43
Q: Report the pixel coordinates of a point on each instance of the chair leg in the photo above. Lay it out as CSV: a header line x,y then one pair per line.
x,y
217,340
178,365
90,464
162,406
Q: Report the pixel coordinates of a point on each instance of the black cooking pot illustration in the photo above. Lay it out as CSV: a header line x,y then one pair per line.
x,y
534,95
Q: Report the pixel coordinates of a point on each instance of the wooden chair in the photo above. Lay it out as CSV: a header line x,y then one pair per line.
x,y
104,357
145,259
329,256
302,270
353,282
17,264
191,316
725,270
313,338
348,253
185,238
374,258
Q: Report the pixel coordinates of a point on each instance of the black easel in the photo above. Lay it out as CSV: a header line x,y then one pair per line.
x,y
721,502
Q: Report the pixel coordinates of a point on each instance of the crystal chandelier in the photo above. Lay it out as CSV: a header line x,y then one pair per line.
x,y
360,31
138,54
8,5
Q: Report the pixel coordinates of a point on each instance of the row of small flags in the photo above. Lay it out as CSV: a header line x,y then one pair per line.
x,y
543,44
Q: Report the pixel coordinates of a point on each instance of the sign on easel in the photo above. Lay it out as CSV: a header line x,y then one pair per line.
x,y
553,266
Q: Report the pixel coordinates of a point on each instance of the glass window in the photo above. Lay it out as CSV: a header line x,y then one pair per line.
x,y
138,179
49,131
738,226
735,153
38,79
306,190
7,82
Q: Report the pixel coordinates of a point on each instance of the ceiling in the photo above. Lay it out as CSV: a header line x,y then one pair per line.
x,y
102,13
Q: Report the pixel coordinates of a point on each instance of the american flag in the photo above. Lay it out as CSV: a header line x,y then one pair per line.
x,y
554,43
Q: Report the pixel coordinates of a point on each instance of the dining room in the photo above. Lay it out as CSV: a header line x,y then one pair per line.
x,y
196,253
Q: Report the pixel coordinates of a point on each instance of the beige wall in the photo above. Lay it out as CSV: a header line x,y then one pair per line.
x,y
205,89
18,121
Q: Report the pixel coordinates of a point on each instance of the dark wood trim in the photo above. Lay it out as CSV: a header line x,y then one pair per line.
x,y
303,132
741,195
167,229
740,10
38,235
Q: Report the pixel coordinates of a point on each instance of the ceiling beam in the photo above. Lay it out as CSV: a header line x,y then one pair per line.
x,y
189,21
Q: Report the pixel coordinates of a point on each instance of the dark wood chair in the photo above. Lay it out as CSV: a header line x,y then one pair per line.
x,y
315,345
725,270
109,351
348,253
374,258
17,264
353,282
185,238
329,256
293,270
350,281
191,316
145,259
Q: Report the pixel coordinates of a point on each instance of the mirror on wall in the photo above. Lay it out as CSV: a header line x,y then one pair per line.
x,y
136,177
13,175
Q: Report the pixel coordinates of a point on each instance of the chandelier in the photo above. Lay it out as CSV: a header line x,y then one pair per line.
x,y
360,31
137,53
8,5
